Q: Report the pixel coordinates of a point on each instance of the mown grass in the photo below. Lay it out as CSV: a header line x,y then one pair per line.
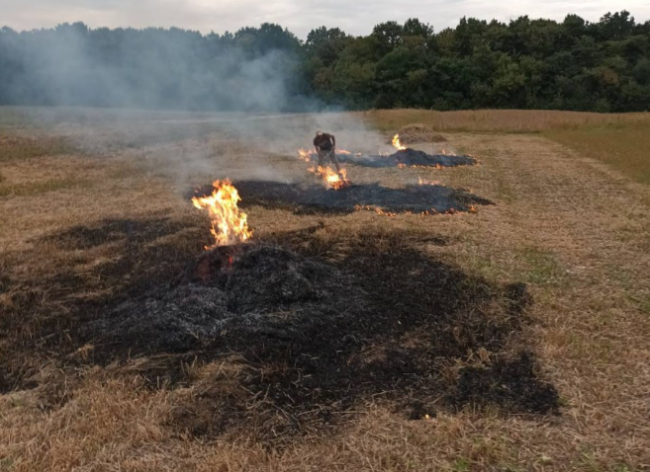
x,y
59,129
505,121
38,188
18,147
543,268
14,118
620,140
624,146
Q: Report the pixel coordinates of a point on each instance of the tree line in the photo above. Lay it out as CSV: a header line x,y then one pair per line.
x,y
526,63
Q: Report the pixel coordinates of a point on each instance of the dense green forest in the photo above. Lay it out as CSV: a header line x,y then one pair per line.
x,y
572,65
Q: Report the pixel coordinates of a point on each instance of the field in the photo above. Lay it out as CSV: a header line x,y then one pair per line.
x,y
95,208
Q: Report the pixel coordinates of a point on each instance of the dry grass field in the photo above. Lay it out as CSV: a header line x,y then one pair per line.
x,y
620,140
92,209
506,121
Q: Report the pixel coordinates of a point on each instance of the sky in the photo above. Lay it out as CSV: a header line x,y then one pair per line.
x,y
353,16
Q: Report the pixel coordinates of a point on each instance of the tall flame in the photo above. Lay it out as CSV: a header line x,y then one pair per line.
x,y
229,223
397,144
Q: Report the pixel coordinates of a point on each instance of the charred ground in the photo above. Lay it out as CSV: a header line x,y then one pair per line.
x,y
306,326
408,158
303,198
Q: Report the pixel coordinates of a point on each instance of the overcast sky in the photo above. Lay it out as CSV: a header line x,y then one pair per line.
x,y
300,16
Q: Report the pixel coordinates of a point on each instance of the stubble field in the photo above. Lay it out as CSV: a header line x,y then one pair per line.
x,y
512,338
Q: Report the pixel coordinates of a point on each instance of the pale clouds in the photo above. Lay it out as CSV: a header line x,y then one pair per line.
x,y
355,17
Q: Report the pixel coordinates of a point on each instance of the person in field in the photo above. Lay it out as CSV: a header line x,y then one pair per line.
x,y
325,145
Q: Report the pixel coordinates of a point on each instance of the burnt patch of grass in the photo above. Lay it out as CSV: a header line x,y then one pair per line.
x,y
39,314
383,323
305,327
315,199
509,383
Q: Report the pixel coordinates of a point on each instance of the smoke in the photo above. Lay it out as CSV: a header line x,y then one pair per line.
x,y
190,149
190,107
174,69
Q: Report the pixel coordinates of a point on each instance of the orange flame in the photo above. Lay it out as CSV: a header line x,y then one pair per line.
x,y
229,223
308,155
421,181
397,144
305,155
331,177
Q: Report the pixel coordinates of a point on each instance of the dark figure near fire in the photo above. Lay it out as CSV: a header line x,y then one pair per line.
x,y
325,145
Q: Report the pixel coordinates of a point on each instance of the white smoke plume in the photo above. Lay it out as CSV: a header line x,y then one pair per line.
x,y
194,107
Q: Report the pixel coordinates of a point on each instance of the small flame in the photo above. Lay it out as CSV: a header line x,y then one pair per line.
x,y
333,179
421,181
305,155
308,155
444,152
381,212
229,223
397,144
